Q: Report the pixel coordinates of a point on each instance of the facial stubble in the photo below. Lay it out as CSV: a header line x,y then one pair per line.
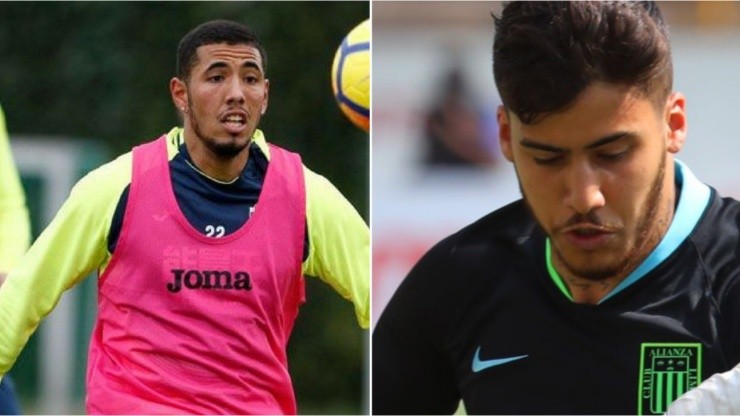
x,y
649,231
223,150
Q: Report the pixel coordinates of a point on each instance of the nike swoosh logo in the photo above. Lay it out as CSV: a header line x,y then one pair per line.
x,y
480,365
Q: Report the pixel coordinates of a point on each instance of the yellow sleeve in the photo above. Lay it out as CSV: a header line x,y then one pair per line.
x,y
15,227
339,244
72,246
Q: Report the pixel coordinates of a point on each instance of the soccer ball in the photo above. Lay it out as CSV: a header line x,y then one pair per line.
x,y
350,75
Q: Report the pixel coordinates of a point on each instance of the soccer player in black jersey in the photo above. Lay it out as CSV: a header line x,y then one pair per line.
x,y
612,287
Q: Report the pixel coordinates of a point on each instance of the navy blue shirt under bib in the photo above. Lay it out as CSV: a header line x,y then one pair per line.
x,y
215,209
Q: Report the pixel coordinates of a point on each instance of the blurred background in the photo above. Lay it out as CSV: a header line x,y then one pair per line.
x,y
436,164
82,82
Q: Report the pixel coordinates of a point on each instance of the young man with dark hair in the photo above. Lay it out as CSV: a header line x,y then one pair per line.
x,y
201,238
612,286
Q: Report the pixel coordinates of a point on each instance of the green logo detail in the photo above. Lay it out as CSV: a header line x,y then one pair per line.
x,y
666,371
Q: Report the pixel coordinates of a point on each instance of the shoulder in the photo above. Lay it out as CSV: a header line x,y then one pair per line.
x,y
258,138
478,258
86,215
318,188
457,277
725,212
317,184
719,228
498,235
99,190
717,240
331,218
313,179
107,178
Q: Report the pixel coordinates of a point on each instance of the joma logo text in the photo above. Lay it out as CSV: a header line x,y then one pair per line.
x,y
208,279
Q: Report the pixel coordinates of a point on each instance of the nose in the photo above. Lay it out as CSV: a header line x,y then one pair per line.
x,y
235,92
584,191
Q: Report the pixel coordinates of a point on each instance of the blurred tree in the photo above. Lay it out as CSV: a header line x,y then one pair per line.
x,y
101,70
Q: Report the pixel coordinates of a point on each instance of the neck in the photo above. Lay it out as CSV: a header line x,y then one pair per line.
x,y
218,167
587,291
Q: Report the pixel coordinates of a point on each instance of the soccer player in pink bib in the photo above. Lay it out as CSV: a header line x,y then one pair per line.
x,y
201,238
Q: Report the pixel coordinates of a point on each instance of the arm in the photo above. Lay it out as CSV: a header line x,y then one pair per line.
x,y
412,373
15,227
71,247
717,395
339,244
720,393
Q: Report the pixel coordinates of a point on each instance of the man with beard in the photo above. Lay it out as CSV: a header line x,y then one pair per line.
x,y
201,238
612,286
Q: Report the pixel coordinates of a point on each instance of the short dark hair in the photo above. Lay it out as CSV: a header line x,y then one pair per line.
x,y
546,53
212,32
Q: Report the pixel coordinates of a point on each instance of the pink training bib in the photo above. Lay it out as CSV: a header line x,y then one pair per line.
x,y
193,324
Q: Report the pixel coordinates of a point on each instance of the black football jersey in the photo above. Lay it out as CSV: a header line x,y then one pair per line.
x,y
481,318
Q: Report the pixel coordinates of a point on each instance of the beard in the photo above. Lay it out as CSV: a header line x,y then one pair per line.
x,y
648,234
224,150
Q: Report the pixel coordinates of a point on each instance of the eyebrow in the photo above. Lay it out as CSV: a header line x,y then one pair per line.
x,y
222,64
538,145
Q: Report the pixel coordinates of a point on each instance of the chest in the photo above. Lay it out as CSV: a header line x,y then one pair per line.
x,y
525,350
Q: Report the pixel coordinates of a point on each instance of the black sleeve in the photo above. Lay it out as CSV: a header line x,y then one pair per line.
x,y
412,373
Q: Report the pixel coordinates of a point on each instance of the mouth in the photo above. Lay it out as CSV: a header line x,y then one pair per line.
x,y
588,237
234,122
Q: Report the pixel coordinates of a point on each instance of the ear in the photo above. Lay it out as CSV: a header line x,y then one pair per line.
x,y
504,133
675,119
266,97
179,93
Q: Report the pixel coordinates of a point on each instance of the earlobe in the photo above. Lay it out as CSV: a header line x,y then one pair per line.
x,y
504,133
676,122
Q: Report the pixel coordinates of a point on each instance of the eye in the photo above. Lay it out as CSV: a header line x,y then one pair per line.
x,y
216,78
613,156
252,77
548,161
